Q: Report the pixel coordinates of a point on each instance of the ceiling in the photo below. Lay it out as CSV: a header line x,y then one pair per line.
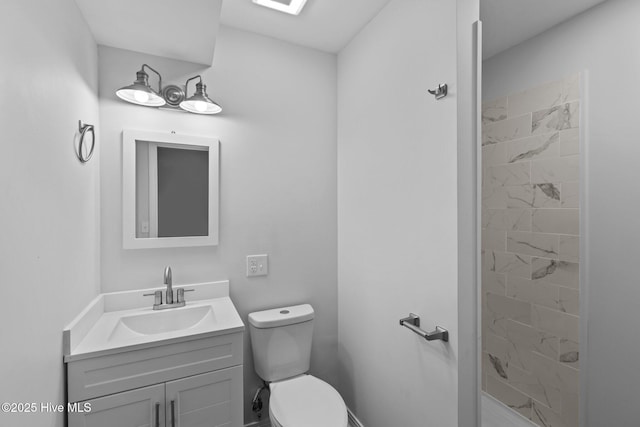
x,y
329,25
507,23
326,25
184,30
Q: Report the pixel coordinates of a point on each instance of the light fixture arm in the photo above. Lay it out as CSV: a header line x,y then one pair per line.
x,y
186,85
158,74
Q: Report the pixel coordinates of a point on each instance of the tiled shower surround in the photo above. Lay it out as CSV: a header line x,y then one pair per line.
x,y
530,244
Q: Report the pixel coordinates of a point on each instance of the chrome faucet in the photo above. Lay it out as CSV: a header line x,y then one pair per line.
x,y
168,282
169,300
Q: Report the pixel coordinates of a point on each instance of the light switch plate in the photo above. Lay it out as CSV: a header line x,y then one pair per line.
x,y
257,265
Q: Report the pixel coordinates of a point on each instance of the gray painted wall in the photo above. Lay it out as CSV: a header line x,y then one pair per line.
x,y
50,202
399,234
277,180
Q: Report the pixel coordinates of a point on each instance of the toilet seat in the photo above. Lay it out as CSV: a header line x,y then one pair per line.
x,y
306,401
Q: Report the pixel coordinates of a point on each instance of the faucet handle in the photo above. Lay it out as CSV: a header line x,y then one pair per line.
x,y
181,292
157,295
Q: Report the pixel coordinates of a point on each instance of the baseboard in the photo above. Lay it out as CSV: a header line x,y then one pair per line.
x,y
353,420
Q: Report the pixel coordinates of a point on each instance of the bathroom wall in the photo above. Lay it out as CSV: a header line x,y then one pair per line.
x,y
530,250
277,180
604,41
49,249
397,213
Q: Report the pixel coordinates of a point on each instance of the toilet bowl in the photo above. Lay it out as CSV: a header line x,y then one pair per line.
x,y
306,401
281,344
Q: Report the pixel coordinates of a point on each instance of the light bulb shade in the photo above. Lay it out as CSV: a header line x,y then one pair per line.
x,y
200,103
140,92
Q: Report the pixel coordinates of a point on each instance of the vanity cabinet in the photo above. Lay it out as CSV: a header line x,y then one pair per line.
x,y
194,383
213,399
205,400
129,408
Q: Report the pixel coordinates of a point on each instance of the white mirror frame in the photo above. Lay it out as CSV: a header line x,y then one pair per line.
x,y
129,239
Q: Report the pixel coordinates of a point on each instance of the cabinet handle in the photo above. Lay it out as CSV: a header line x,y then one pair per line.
x,y
157,415
173,413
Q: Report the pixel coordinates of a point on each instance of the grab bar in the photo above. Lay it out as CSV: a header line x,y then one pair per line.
x,y
413,323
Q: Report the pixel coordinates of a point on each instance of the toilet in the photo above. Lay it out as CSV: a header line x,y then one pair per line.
x,y
281,342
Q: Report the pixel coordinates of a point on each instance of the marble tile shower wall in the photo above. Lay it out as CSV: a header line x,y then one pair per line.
x,y
530,241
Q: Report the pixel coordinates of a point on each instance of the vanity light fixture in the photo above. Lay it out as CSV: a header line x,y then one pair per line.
x,y
292,7
171,97
140,92
199,103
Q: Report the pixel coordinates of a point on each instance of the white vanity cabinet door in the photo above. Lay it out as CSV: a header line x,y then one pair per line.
x,y
135,408
208,400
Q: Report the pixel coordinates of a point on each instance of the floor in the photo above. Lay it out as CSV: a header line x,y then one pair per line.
x,y
494,414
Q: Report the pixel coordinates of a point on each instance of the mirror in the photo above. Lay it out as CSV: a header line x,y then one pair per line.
x,y
170,190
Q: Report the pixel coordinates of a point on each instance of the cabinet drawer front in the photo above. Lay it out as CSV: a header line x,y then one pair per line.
x,y
213,400
105,375
136,408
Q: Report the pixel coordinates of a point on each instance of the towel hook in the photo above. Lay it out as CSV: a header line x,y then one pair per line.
x,y
441,91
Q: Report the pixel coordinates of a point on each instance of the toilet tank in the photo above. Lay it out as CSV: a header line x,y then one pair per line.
x,y
281,341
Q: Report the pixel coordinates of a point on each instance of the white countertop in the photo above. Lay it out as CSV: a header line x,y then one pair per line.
x,y
93,332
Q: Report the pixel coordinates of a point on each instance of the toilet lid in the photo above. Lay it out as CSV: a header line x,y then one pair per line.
x,y
307,401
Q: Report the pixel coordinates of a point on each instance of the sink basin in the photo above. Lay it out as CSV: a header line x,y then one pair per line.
x,y
162,322
117,322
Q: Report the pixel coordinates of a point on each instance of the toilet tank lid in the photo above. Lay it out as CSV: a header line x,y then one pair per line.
x,y
284,316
